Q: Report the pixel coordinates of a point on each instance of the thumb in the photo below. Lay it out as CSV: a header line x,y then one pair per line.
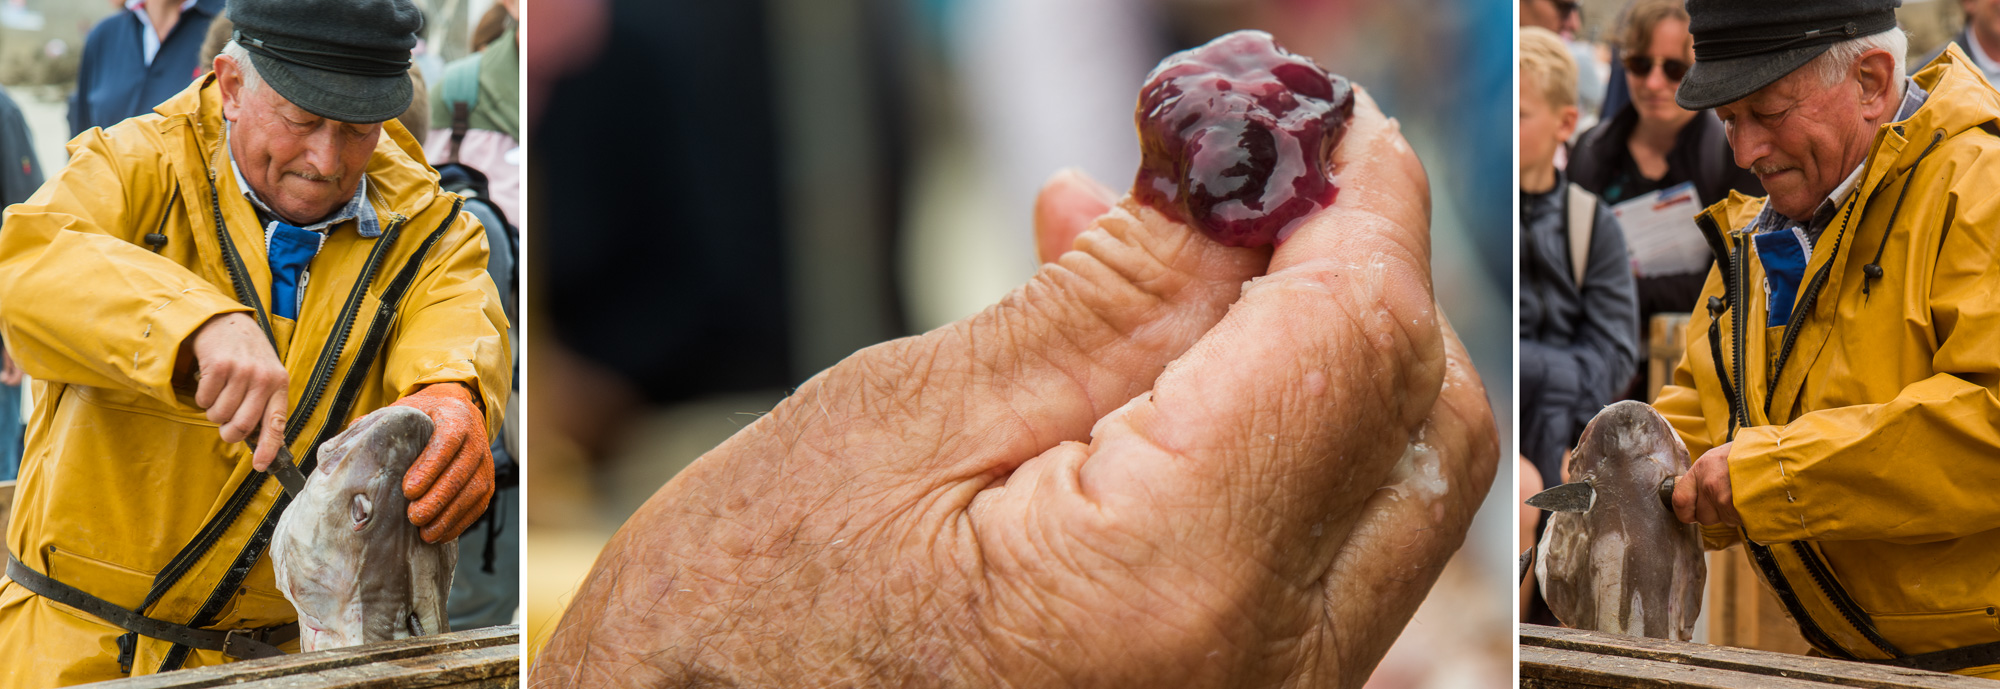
x,y
1064,209
272,434
1684,496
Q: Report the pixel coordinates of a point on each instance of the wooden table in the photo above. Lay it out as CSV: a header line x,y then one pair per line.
x,y
1553,658
489,657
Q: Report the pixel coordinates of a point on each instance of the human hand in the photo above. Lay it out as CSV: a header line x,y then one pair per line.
x,y
449,484
241,383
10,373
1002,501
1703,494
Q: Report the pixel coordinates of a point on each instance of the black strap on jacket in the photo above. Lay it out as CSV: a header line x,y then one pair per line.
x,y
1950,659
235,643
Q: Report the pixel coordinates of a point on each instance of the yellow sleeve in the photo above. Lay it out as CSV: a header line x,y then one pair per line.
x,y
81,301
1919,468
452,328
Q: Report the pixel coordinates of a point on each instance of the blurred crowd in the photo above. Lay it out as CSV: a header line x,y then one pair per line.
x,y
465,113
1612,173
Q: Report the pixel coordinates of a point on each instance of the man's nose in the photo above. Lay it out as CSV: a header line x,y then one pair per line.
x,y
322,151
1750,143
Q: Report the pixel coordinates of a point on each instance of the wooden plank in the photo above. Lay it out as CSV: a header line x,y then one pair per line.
x,y
475,658
1556,668
1771,667
494,666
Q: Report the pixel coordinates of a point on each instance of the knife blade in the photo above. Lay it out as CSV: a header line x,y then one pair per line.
x,y
285,468
1580,495
1568,497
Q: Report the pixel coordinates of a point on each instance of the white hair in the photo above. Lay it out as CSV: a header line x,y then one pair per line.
x,y
241,55
1837,62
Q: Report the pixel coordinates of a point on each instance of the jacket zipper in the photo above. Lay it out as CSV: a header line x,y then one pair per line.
x,y
329,356
1738,261
239,279
1725,260
261,538
240,500
1782,586
1823,577
1806,306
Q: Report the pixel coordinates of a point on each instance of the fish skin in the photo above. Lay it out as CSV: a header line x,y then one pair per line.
x,y
1627,565
345,552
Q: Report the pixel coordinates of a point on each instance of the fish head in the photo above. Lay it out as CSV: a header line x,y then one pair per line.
x,y
1626,451
363,466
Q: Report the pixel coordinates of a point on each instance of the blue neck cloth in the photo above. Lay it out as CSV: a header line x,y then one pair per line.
x,y
292,250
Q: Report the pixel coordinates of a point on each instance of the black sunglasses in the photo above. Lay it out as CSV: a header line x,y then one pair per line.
x,y
1641,66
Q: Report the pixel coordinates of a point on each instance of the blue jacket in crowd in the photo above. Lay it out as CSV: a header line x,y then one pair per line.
x,y
114,82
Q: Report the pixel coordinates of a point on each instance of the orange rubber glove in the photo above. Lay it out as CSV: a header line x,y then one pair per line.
x,y
451,482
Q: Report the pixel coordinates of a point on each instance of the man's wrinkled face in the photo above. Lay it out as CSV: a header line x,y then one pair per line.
x,y
301,165
1801,140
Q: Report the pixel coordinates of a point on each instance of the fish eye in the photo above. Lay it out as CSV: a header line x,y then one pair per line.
x,y
359,509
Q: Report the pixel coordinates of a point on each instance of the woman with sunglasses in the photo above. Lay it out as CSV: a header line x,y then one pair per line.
x,y
1652,144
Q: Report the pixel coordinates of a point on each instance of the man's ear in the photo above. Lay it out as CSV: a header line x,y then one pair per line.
x,y
1875,70
229,80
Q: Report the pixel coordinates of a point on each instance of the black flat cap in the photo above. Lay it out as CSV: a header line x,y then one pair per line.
x,y
1743,45
344,60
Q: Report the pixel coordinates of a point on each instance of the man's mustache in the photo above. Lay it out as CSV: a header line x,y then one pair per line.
x,y
314,176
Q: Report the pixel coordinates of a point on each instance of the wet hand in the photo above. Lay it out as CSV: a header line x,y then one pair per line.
x,y
241,383
1702,496
1135,470
450,484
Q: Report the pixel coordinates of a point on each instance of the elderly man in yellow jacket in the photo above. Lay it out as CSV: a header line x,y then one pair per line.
x,y
1841,387
262,260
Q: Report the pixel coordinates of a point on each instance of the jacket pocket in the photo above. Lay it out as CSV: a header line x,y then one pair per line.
x,y
122,586
133,402
1923,632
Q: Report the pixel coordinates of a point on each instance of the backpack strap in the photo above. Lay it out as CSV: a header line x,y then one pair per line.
x,y
1582,216
460,90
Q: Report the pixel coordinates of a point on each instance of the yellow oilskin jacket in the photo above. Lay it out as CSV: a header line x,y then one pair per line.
x,y
127,491
1866,464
